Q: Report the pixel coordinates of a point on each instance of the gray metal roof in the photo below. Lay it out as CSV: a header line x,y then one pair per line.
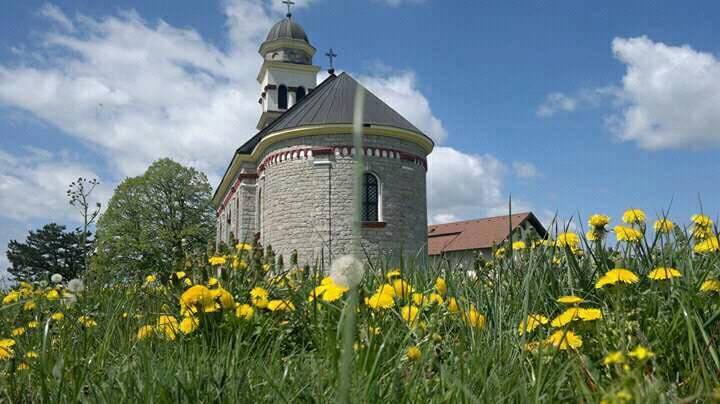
x,y
332,103
287,29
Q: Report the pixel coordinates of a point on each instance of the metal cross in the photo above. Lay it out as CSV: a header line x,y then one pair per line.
x,y
330,56
289,3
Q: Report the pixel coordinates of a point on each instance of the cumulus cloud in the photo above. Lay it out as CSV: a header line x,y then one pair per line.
x,y
463,185
672,95
33,185
560,102
525,169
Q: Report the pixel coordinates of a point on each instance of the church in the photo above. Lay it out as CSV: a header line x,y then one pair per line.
x,y
291,184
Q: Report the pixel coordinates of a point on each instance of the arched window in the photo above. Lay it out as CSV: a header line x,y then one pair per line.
x,y
299,94
371,197
282,97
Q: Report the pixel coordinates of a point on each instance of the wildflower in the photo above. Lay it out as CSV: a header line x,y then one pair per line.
x,y
707,246
663,226
384,298
590,235
265,267
409,313
627,234
568,239
441,286
238,263
402,288
23,366
197,298
328,290
474,319
217,260
57,316
17,332
532,346
244,311
566,317
346,271
710,285
11,297
589,314
223,298
87,321
434,298
612,358
31,355
168,326
641,353
413,353
243,247
633,216
702,221
453,305
565,339
518,245
33,324
144,332
29,305
570,299
392,274
532,322
76,286
189,324
6,351
664,273
259,297
280,305
616,275
179,275
374,330
52,295
500,252
623,395
599,221
187,282
213,282
56,278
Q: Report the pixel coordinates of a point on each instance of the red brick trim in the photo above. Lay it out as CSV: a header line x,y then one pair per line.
x,y
373,225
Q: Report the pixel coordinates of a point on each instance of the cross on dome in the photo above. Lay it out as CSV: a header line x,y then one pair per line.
x,y
289,4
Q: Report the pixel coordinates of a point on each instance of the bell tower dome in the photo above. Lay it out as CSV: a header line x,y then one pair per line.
x,y
287,73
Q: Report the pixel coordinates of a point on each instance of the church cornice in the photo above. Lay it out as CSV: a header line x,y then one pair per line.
x,y
285,66
377,130
287,43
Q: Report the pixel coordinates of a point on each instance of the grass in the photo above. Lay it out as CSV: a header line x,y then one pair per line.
x,y
295,355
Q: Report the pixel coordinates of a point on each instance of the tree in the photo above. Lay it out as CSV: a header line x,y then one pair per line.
x,y
47,251
79,195
154,220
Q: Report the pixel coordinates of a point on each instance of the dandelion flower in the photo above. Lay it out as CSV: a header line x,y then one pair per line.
x,y
6,350
612,358
701,220
217,260
243,247
76,285
663,273
52,295
565,339
189,324
33,324
518,245
223,298
11,297
532,322
328,290
150,279
664,226
599,221
23,366
568,239
168,326
87,321
381,300
56,278
628,234
570,299
566,317
180,274
641,353
474,318
346,271
57,316
453,305
616,275
710,285
31,355
17,331
402,289
707,246
586,314
259,297
197,298
500,252
633,216
413,353
244,311
409,313
393,273
441,286
145,332
280,305
29,305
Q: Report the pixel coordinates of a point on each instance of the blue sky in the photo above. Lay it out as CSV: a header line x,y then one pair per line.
x,y
568,106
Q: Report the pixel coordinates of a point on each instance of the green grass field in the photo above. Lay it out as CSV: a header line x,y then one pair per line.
x,y
235,330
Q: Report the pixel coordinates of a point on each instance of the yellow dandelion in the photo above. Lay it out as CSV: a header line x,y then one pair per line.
x,y
599,221
663,273
402,289
217,260
145,332
564,340
570,299
180,274
150,279
259,297
568,239
641,353
518,245
18,332
453,305
189,324
380,301
474,318
57,316
244,311
197,298
168,326
566,317
11,297
532,322
663,226
52,295
87,321
213,282
628,234
280,305
243,247
393,273
409,313
33,324
615,276
413,354
702,220
707,246
23,366
29,305
633,216
710,285
586,314
441,286
612,358
6,348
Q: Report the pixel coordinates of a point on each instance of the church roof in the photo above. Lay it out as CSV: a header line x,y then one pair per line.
x,y
287,29
332,102
477,234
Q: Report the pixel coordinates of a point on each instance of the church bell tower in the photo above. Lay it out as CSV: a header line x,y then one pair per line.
x,y
287,73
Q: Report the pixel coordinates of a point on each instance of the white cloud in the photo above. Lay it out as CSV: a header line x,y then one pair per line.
x,y
54,14
560,102
463,185
672,95
33,186
525,169
399,89
556,102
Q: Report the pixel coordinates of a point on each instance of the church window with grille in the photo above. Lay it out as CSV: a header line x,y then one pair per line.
x,y
282,97
371,198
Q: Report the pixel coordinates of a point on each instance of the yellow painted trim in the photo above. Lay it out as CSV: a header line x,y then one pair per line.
x,y
339,129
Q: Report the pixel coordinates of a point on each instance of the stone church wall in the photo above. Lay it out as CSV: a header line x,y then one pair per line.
x,y
307,204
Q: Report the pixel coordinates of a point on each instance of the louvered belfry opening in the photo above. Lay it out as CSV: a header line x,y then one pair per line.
x,y
370,198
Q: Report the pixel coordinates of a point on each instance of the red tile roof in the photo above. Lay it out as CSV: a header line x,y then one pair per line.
x,y
476,234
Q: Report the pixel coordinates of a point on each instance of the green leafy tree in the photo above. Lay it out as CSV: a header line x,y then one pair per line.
x,y
48,251
153,221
